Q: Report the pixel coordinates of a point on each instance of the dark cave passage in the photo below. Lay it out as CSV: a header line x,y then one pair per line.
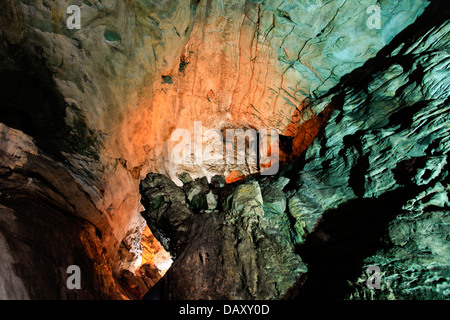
x,y
344,237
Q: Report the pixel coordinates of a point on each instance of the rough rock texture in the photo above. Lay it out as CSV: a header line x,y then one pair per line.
x,y
379,173
234,252
85,114
155,262
133,65
372,189
71,90
254,64
47,224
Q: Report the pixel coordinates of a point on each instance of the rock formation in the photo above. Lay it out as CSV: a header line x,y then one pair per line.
x,y
231,250
372,189
87,113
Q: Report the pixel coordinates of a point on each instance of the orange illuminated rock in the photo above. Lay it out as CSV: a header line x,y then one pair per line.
x,y
155,260
307,129
149,247
234,176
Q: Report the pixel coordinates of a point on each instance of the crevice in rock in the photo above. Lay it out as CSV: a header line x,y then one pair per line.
x,y
434,15
32,103
344,237
357,179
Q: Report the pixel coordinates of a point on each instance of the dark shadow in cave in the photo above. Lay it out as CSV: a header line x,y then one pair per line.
x,y
335,250
345,236
31,102
44,239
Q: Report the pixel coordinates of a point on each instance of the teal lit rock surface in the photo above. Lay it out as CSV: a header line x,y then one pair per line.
x,y
86,120
372,188
383,160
